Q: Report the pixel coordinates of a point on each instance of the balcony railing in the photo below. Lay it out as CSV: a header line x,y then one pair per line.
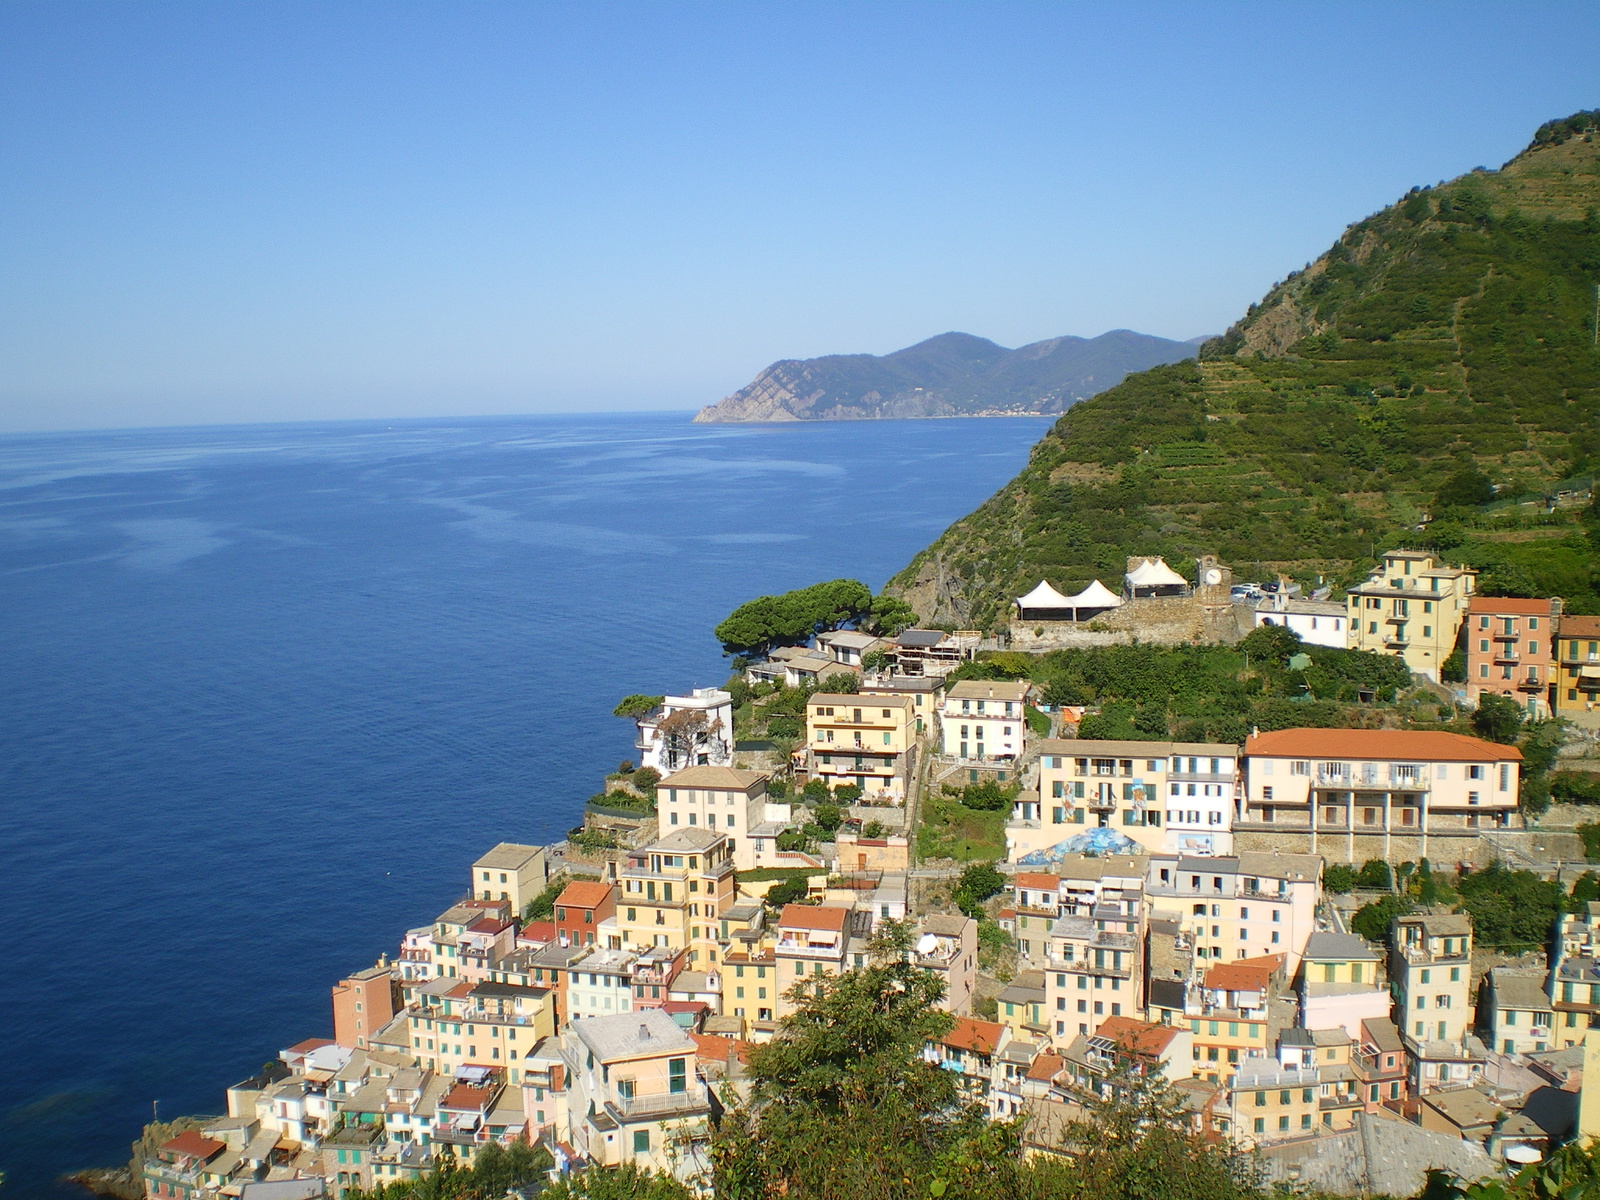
x,y
668,1104
1529,685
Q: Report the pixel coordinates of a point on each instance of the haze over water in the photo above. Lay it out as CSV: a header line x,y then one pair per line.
x,y
267,691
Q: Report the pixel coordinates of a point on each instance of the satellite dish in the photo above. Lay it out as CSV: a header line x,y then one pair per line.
x,y
927,944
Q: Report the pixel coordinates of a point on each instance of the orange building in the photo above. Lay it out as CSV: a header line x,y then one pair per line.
x,y
582,905
362,1005
1511,649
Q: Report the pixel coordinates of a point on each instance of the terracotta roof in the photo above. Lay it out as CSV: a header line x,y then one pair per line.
x,y
1137,1037
538,931
971,1034
1509,604
307,1046
1046,1067
712,1047
583,893
195,1145
465,1097
1378,744
464,988
814,916
1586,627
487,925
1246,975
1047,883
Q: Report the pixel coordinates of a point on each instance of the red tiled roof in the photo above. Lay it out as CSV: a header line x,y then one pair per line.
x,y
713,1047
972,1034
195,1144
464,988
1246,975
1046,1067
1137,1037
487,925
1378,744
465,1097
685,1006
1584,627
1007,914
582,893
307,1046
538,931
1039,882
1509,604
814,916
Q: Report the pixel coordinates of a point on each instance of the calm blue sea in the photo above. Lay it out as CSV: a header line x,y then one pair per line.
x,y
265,692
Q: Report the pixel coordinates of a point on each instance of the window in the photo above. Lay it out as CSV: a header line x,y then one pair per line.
x,y
641,1141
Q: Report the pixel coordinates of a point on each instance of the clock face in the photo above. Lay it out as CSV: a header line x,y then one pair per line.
x,y
1213,577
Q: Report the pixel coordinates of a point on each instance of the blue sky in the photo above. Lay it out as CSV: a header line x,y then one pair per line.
x,y
217,212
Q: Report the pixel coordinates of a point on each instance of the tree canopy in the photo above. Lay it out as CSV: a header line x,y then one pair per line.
x,y
793,618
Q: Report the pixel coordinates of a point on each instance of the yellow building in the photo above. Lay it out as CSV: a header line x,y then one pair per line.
x,y
1577,671
458,1023
1411,607
511,872
861,740
1268,1102
673,893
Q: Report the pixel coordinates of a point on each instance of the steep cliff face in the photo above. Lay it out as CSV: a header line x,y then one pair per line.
x,y
954,374
1451,332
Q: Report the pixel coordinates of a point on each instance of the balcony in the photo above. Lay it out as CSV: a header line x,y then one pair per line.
x,y
1102,803
695,1099
1507,657
1529,685
1397,640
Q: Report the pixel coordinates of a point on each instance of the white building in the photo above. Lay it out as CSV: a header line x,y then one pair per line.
x,y
1318,622
600,984
985,720
688,731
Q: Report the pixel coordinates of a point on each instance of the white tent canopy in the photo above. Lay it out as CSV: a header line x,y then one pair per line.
x,y
1044,596
1096,595
1153,572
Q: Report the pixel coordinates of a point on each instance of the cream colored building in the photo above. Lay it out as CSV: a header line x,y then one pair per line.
x,y
985,720
862,740
1169,797
1249,905
1412,608
511,872
812,940
636,1093
729,801
1356,794
1430,966
1515,1014
673,893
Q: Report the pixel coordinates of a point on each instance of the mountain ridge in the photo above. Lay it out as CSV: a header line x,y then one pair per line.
x,y
950,374
1451,334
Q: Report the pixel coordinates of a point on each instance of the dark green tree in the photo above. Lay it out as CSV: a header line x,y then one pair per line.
x,y
1497,718
978,882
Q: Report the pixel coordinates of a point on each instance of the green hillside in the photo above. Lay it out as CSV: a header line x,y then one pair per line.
x,y
1433,380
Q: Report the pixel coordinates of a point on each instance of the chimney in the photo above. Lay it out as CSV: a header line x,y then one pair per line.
x,y
644,1032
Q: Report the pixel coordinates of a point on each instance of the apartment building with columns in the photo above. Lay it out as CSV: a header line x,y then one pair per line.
x,y
1356,794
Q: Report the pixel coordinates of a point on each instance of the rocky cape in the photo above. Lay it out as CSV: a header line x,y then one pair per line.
x,y
952,375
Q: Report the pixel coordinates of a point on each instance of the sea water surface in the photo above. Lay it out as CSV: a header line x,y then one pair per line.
x,y
265,692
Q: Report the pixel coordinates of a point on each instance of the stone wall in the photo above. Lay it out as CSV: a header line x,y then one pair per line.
x,y
1207,616
1444,849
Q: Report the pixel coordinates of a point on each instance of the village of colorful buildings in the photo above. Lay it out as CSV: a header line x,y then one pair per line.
x,y
1165,910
